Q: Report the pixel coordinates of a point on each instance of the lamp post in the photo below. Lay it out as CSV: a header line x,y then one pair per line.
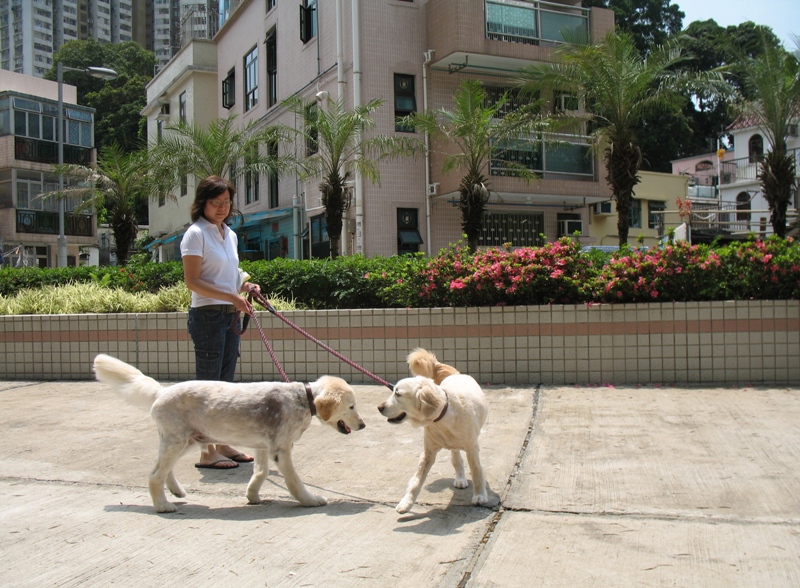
x,y
96,72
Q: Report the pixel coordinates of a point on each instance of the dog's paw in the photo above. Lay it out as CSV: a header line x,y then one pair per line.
x,y
480,499
460,483
313,500
166,507
404,506
253,499
178,492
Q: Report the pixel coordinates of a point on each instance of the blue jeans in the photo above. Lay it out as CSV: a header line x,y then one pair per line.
x,y
216,345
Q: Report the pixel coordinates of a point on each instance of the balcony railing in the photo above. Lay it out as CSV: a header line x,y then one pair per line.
x,y
531,22
746,169
47,152
46,223
555,154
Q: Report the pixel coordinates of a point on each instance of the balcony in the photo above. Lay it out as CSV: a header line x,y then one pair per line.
x,y
565,157
47,152
746,169
532,23
43,222
498,37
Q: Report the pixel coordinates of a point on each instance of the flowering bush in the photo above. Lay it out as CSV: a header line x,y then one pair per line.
x,y
676,272
764,270
554,273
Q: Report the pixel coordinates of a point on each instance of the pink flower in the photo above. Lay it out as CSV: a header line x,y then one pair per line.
x,y
457,285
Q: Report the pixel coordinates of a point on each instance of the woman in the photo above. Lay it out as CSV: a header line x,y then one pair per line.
x,y
209,249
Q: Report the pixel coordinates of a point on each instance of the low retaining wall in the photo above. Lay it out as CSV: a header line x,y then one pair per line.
x,y
716,343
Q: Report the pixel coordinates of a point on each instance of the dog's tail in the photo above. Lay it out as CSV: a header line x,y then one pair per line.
x,y
422,362
129,382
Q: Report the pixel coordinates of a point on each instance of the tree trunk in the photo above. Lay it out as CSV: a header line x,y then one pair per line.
x,y
473,198
333,200
777,177
623,159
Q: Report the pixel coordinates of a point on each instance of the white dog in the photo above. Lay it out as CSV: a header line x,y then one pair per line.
x,y
266,416
453,411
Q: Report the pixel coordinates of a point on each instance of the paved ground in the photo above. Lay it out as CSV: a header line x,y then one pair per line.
x,y
594,487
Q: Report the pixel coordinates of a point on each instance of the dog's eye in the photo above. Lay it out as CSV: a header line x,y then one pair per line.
x,y
352,407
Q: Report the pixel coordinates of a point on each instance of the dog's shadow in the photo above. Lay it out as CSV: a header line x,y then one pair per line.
x,y
266,509
430,522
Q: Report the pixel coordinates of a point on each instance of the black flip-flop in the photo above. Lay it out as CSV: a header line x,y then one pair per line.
x,y
215,465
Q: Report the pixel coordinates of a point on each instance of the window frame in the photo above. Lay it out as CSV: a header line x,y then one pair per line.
x,y
401,92
271,43
229,90
250,81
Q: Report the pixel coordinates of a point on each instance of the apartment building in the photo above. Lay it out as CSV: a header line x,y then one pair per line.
x,y
29,223
32,30
413,55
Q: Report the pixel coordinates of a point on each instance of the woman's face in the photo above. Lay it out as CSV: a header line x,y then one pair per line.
x,y
217,209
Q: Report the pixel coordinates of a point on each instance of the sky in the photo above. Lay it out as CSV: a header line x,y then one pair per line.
x,y
782,16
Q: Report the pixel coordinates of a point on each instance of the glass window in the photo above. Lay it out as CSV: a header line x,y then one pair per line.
x,y
312,134
308,20
251,79
182,107
654,219
636,214
48,128
272,68
405,101
229,90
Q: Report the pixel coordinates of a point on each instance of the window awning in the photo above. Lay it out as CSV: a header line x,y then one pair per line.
x,y
256,218
410,237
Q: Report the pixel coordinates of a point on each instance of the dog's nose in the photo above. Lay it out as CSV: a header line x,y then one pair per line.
x,y
382,407
361,426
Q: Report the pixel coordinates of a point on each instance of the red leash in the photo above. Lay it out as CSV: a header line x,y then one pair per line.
x,y
265,303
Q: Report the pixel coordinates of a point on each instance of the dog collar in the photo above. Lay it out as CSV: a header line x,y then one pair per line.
x,y
311,406
444,410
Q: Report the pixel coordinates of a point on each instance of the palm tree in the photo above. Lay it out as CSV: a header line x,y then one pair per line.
x,y
478,131
119,182
219,149
773,79
335,149
619,88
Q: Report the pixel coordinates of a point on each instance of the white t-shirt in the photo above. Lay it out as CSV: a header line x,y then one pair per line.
x,y
220,258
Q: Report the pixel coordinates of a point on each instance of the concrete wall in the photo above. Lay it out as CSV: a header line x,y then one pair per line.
x,y
717,343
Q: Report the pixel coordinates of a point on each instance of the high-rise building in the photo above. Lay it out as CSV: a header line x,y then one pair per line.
x,y
32,30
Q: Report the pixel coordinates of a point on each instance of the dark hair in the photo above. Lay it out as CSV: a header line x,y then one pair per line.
x,y
209,189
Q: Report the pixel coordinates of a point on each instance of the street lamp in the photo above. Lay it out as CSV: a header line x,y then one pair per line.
x,y
96,72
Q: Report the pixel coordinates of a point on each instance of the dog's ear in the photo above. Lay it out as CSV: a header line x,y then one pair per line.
x,y
325,404
428,400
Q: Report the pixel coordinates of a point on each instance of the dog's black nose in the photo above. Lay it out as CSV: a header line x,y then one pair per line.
x,y
362,426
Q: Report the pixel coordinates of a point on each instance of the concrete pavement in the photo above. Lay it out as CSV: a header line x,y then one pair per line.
x,y
593,486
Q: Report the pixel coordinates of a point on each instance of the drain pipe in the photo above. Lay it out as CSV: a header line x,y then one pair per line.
x,y
359,187
428,56
340,81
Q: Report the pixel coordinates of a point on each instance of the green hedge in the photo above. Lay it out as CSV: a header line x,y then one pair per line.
x,y
557,273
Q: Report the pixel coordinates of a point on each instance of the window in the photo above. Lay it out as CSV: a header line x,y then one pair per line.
x,y
308,20
513,102
272,67
755,148
271,4
405,102
184,185
569,223
182,108
521,230
636,214
564,102
603,207
743,206
229,90
251,181
272,149
312,134
408,237
251,79
655,220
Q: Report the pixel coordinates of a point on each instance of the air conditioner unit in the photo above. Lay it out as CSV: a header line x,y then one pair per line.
x,y
433,189
603,207
569,227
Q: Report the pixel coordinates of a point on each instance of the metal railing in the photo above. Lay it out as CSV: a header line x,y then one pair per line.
x,y
42,222
745,169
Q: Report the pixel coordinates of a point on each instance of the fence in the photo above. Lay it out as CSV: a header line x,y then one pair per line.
x,y
715,343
